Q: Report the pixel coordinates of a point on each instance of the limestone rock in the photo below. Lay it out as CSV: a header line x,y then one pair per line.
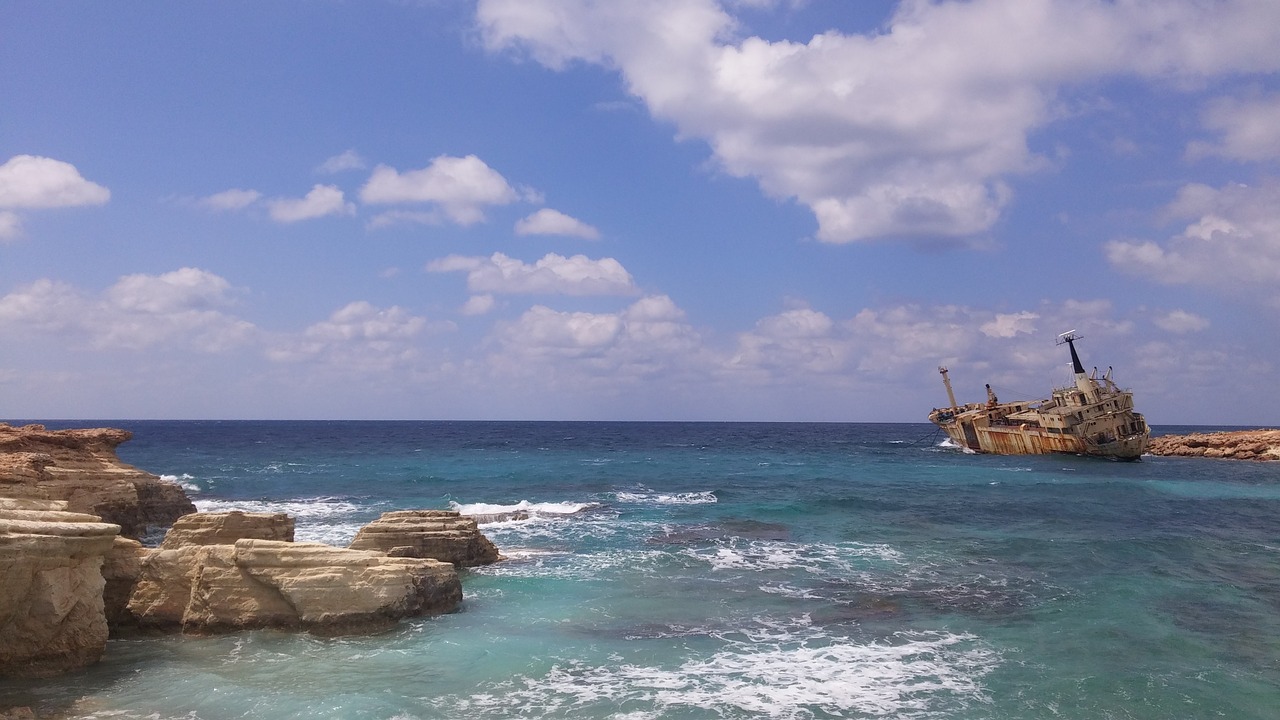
x,y
120,571
438,534
1235,445
267,583
81,467
51,611
225,528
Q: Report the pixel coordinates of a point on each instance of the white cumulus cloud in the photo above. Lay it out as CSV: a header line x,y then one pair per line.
x,y
233,199
462,187
10,225
1232,241
357,337
647,338
553,222
1249,129
185,306
342,162
30,181
322,200
1006,325
478,305
553,275
910,130
1181,321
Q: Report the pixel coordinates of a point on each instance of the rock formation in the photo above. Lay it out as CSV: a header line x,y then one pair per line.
x,y
225,528
1236,445
270,583
219,572
81,467
439,534
51,607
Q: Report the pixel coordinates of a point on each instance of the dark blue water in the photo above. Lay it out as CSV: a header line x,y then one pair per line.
x,y
712,570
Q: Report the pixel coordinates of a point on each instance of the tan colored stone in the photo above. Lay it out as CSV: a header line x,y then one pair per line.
x,y
120,571
51,611
80,467
265,583
225,528
1235,445
438,534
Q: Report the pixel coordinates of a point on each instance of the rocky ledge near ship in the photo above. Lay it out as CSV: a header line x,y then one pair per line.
x,y
80,467
1232,444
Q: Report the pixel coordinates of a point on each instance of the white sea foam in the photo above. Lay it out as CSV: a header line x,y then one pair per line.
x,y
786,590
573,566
907,675
689,498
323,519
320,507
487,513
183,480
822,559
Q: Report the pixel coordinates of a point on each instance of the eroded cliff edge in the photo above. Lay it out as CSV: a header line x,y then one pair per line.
x,y
80,467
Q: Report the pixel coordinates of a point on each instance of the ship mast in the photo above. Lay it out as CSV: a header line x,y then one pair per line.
x,y
947,381
1084,383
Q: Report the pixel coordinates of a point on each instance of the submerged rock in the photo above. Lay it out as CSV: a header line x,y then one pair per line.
x,y
81,467
438,534
51,607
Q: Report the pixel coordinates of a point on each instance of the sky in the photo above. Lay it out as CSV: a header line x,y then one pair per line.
x,y
762,210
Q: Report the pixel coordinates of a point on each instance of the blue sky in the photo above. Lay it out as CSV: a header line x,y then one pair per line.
x,y
672,209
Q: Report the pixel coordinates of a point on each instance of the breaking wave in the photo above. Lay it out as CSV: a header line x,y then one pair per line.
x,y
791,673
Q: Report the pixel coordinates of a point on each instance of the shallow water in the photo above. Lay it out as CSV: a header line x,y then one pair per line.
x,y
736,570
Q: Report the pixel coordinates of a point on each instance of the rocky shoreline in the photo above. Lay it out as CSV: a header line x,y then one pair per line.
x,y
1262,445
72,514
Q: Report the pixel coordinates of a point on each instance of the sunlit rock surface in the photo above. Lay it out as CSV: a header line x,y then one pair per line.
x,y
51,608
1235,445
256,583
80,466
439,534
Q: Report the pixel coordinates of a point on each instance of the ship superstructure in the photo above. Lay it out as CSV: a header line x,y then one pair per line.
x,y
1092,417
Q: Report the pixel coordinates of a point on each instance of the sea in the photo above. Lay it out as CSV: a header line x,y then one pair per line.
x,y
733,570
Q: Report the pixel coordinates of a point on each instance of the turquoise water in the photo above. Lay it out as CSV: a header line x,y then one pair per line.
x,y
736,571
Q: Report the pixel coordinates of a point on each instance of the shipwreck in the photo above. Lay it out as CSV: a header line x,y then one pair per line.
x,y
1093,417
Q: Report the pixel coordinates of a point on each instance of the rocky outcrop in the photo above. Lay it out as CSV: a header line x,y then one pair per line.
x,y
438,534
1236,445
269,583
120,571
51,607
225,528
81,467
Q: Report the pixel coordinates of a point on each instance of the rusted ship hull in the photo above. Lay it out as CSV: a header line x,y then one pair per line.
x,y
1092,417
1015,440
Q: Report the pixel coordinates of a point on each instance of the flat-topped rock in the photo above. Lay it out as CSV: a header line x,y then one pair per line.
x,y
225,528
81,467
51,609
438,534
274,584
1233,444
